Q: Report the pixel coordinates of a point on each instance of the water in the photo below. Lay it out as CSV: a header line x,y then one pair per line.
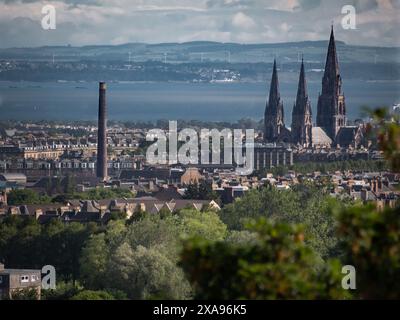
x,y
190,101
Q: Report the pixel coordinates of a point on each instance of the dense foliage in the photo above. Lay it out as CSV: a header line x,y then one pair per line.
x,y
278,265
28,196
135,259
307,203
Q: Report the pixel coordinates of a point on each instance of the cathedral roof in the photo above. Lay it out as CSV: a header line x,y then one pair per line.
x,y
319,137
346,135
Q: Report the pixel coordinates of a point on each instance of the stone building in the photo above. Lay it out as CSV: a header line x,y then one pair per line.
x,y
267,156
14,281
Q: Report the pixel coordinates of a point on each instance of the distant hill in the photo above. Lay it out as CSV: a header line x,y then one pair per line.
x,y
206,51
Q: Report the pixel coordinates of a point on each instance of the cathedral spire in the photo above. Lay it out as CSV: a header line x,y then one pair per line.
x,y
302,88
302,114
332,65
274,117
274,95
331,109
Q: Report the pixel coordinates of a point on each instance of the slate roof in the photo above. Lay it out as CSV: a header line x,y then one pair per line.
x,y
346,135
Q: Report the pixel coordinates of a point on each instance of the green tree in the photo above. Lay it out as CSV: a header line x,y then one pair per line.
x,y
93,295
308,204
279,265
146,273
93,262
371,242
25,294
26,196
64,291
201,191
206,224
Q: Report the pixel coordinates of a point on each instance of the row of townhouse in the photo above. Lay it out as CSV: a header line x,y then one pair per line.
x,y
83,164
100,211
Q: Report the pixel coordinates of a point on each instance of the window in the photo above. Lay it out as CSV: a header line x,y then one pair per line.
x,y
24,278
34,278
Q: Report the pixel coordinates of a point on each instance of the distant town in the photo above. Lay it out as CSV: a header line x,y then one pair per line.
x,y
94,173
200,61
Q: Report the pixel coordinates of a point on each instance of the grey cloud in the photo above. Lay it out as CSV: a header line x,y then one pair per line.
x,y
72,2
103,25
365,5
309,4
25,32
230,4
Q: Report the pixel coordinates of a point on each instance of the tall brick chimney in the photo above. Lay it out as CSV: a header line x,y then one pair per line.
x,y
102,133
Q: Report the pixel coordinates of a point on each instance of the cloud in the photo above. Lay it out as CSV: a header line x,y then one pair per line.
x,y
309,4
240,20
285,5
230,3
82,22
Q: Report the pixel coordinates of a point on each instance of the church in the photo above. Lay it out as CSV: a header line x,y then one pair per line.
x,y
331,129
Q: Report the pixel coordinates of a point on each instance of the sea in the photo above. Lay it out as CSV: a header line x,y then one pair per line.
x,y
150,101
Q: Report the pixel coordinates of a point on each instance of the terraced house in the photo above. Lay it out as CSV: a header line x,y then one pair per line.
x,y
14,282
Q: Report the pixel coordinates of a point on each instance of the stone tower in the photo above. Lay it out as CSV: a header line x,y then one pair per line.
x,y
302,114
274,124
331,110
102,134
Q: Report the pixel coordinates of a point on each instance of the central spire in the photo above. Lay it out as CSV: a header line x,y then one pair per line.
x,y
302,88
274,116
302,114
331,109
332,65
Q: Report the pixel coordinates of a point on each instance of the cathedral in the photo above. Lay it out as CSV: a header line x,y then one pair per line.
x,y
331,128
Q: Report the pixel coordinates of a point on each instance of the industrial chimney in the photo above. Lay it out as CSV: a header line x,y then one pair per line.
x,y
101,134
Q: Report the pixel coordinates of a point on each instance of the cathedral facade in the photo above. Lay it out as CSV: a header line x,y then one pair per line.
x,y
331,126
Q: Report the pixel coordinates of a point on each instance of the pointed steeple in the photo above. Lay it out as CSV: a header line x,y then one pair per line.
x,y
331,64
302,94
331,109
274,95
274,117
302,114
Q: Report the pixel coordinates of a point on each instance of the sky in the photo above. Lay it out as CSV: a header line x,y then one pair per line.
x,y
105,22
